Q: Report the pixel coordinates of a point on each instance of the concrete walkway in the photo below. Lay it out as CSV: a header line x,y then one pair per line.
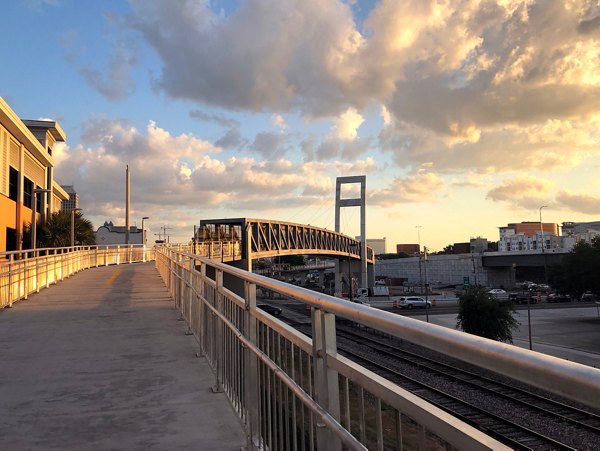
x,y
100,361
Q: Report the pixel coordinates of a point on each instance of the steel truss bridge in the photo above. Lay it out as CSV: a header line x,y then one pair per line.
x,y
263,238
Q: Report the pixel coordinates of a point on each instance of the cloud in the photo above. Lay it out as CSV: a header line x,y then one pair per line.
x,y
345,127
458,81
214,118
522,192
269,145
192,176
232,139
553,145
580,203
304,60
115,83
279,121
420,187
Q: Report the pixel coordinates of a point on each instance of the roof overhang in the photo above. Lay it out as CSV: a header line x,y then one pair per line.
x,y
19,130
59,191
52,126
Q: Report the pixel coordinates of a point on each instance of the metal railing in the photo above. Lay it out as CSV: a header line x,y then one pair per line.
x,y
26,272
297,393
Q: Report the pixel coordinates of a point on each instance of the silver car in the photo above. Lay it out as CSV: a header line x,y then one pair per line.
x,y
413,302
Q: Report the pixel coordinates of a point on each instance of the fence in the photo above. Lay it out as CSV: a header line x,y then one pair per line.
x,y
26,272
291,392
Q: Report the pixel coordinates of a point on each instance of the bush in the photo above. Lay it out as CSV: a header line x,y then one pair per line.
x,y
480,314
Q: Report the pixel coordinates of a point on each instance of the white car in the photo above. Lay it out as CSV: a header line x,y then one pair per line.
x,y
413,302
498,294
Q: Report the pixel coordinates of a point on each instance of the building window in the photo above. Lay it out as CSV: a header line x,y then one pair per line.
x,y
27,192
49,151
13,184
38,202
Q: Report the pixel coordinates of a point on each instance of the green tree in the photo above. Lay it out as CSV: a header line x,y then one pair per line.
x,y
480,314
56,231
578,270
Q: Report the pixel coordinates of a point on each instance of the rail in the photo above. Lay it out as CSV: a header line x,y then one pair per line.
x,y
25,272
293,392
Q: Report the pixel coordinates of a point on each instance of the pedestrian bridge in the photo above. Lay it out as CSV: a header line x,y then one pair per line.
x,y
251,238
99,361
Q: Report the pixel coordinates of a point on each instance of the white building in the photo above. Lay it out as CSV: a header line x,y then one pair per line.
x,y
377,244
73,202
112,234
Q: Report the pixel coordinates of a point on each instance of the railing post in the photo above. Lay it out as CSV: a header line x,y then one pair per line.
x,y
326,379
251,380
26,272
202,315
10,270
218,332
190,294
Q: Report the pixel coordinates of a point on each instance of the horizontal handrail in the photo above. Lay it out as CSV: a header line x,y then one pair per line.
x,y
27,271
572,380
229,325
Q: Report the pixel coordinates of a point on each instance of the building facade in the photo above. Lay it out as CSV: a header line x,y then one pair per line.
x,y
409,249
112,234
528,236
73,201
377,244
27,185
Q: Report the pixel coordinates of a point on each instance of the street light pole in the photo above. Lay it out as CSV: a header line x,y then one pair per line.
x,y
426,285
542,227
36,191
73,225
420,270
144,230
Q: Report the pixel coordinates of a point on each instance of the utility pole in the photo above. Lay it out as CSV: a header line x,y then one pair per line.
x,y
420,270
164,229
127,203
426,285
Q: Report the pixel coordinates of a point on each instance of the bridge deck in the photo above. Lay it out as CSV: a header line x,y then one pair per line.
x,y
100,362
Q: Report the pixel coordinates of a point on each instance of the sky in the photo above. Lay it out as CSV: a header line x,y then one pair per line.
x,y
463,115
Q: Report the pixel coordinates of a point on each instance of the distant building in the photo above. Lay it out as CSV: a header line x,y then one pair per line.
x,y
479,244
26,168
377,244
409,249
73,202
572,232
461,248
112,234
528,236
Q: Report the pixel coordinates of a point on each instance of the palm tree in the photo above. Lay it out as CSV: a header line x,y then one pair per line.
x,y
56,231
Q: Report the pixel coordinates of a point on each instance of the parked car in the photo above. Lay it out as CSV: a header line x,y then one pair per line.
x,y
498,294
588,296
522,297
557,297
270,309
413,302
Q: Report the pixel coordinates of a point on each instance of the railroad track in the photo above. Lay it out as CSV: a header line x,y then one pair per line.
x,y
564,412
477,414
504,429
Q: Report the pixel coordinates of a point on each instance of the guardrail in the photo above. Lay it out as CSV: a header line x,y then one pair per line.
x,y
26,272
293,392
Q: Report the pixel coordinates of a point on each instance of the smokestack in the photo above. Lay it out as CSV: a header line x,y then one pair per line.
x,y
127,205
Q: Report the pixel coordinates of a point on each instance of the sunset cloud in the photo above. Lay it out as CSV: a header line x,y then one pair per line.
x,y
522,192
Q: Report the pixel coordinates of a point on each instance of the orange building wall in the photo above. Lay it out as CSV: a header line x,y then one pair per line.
x,y
531,228
8,218
12,217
